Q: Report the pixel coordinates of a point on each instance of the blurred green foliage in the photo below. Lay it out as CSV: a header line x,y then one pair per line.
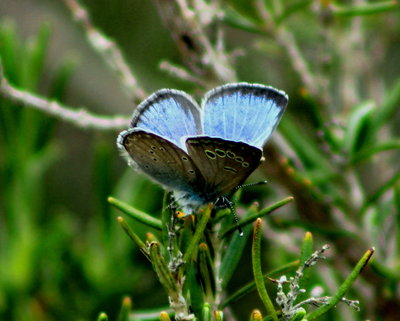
x,y
51,266
337,154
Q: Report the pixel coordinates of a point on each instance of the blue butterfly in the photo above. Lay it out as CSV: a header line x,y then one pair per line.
x,y
202,153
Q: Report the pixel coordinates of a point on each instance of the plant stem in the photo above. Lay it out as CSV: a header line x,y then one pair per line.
x,y
257,270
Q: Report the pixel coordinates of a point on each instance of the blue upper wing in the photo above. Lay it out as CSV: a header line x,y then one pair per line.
x,y
243,112
171,114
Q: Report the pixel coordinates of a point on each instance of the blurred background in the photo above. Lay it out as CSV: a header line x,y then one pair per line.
x,y
64,257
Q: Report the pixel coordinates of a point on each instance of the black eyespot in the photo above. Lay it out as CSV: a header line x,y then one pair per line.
x,y
230,169
210,154
184,158
154,159
239,159
162,149
230,154
220,152
153,147
191,171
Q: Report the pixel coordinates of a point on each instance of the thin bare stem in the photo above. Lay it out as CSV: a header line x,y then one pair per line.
x,y
188,27
78,117
110,52
288,41
181,73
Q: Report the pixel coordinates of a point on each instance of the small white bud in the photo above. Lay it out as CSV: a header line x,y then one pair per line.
x,y
317,291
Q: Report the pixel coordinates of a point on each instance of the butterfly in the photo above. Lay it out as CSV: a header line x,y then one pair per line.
x,y
202,153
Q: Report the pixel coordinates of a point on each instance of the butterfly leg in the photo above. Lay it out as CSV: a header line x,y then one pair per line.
x,y
225,202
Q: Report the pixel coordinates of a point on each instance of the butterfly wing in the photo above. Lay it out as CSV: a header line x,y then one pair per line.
x,y
223,164
169,113
160,159
243,112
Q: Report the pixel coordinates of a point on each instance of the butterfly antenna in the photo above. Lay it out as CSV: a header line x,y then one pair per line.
x,y
251,184
233,211
232,206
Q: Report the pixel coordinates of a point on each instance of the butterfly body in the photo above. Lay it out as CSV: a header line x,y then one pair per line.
x,y
202,153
